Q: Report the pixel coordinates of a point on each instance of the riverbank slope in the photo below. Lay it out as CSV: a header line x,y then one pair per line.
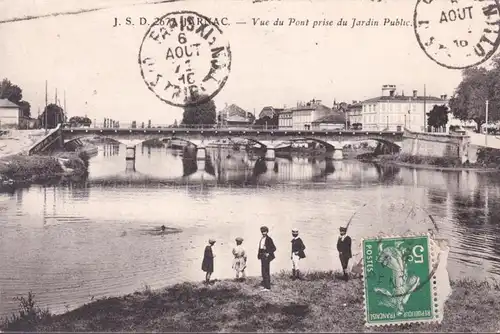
x,y
319,302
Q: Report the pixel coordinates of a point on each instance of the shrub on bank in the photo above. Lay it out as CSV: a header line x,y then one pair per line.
x,y
23,168
29,168
488,157
427,160
28,316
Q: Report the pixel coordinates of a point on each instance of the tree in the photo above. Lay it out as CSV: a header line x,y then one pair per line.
x,y
25,108
274,121
204,113
14,94
51,116
438,116
478,85
80,121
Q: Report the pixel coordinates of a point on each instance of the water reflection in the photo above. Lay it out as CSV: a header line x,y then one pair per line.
x,y
86,236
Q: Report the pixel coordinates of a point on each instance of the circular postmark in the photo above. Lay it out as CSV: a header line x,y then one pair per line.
x,y
184,59
457,34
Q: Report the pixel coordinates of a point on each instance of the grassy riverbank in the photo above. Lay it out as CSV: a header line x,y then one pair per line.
x,y
320,302
39,168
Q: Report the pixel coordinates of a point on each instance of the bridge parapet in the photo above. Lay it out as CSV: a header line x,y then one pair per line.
x,y
199,136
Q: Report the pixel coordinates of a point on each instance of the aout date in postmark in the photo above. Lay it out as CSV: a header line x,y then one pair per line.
x,y
187,61
458,34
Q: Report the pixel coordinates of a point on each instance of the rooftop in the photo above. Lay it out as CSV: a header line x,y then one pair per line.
x,y
404,98
333,118
4,103
232,110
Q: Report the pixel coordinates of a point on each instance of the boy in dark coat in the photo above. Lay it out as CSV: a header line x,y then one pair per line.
x,y
208,260
266,255
344,248
298,248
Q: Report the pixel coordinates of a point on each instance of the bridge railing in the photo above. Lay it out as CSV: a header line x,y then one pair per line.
x,y
129,125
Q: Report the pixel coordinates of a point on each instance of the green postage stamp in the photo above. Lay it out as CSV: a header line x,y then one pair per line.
x,y
399,282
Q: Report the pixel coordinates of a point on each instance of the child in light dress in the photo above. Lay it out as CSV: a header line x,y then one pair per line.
x,y
240,259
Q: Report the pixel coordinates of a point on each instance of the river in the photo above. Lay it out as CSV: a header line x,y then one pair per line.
x,y
80,240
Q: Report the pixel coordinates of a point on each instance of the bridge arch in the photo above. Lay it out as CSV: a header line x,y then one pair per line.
x,y
127,142
329,147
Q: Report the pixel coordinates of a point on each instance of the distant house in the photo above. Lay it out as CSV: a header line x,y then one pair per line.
x,y
354,114
10,114
305,113
333,121
233,115
269,112
285,119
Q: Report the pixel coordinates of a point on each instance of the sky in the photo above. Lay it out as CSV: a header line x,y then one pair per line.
x,y
96,63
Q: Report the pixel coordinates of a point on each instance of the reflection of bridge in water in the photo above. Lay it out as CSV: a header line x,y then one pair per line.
x,y
222,165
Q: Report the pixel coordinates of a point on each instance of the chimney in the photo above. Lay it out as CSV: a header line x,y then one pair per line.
x,y
415,93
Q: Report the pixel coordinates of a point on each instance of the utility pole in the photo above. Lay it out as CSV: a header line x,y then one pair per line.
x,y
425,110
486,135
46,103
65,112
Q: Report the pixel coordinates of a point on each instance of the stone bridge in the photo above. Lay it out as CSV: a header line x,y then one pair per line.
x,y
267,139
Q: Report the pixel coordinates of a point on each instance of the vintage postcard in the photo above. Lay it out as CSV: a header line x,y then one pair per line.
x,y
249,165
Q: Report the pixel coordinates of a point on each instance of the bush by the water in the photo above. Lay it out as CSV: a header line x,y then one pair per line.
x,y
426,160
40,168
24,167
28,316
489,157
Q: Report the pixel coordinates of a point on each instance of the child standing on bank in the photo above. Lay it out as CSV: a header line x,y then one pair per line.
x,y
240,259
298,248
208,260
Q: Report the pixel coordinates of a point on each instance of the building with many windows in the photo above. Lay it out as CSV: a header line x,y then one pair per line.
x,y
304,114
391,111
285,119
354,115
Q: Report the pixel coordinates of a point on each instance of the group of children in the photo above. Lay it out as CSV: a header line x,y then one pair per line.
x,y
266,255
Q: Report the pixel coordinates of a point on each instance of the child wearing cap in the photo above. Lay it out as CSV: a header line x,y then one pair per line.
x,y
208,260
298,248
345,251
240,259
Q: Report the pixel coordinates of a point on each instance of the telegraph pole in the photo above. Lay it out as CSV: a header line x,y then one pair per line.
x,y
486,119
46,103
425,110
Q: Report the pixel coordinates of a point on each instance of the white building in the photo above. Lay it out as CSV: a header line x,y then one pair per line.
x,y
10,114
285,119
304,114
391,111
354,114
